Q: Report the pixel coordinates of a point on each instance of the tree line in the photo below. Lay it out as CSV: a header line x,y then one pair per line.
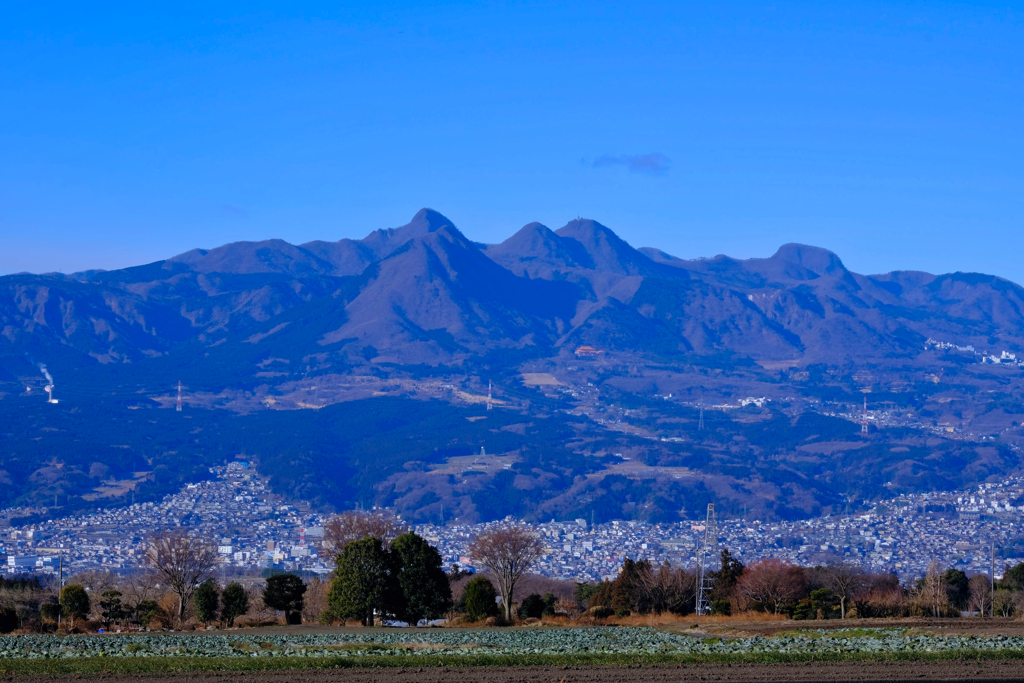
x,y
384,572
836,590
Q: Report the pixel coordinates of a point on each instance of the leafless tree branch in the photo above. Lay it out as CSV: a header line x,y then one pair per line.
x,y
509,552
183,563
355,525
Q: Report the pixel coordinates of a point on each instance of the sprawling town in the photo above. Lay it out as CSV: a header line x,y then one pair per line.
x,y
253,529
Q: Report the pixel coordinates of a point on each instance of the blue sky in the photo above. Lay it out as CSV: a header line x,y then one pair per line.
x,y
889,133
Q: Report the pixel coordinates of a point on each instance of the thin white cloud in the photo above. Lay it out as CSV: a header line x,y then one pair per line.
x,y
654,163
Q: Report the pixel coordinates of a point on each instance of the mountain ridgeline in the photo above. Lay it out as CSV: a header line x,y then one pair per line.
x,y
357,372
425,294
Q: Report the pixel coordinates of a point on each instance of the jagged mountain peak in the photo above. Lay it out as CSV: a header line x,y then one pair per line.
x,y
429,220
425,222
426,277
444,242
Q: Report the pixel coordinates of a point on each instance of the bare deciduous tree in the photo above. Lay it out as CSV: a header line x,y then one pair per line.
x,y
980,600
509,552
1017,598
771,582
883,596
183,563
845,580
96,580
1003,603
137,587
933,593
259,611
24,599
355,525
569,608
315,599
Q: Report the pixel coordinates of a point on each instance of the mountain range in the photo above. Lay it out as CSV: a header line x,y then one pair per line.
x,y
603,358
425,294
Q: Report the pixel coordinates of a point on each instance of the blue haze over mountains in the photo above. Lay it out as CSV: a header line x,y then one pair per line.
x,y
249,326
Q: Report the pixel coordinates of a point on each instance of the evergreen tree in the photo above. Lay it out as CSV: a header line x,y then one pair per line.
x,y
74,602
206,601
1015,577
627,593
147,610
456,573
426,593
726,577
957,588
632,582
534,606
584,591
49,611
234,602
480,599
284,592
110,606
365,582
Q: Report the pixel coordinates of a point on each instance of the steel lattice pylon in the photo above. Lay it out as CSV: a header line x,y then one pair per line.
x,y
707,560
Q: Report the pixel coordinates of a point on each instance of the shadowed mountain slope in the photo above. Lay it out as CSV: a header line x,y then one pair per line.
x,y
841,315
424,293
359,328
438,295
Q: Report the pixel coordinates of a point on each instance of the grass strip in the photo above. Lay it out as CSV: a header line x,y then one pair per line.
x,y
132,665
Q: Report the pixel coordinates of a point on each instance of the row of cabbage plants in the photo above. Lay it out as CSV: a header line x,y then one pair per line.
x,y
499,642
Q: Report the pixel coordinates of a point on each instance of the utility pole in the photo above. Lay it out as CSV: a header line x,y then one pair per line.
x,y
61,588
992,583
489,397
178,409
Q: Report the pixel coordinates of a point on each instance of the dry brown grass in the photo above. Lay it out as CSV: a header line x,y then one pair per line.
x,y
669,619
653,620
663,619
463,621
741,617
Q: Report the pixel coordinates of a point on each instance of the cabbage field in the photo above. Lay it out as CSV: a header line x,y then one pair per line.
x,y
388,643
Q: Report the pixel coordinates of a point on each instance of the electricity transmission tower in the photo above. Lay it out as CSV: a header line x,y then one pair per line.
x,y
706,562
